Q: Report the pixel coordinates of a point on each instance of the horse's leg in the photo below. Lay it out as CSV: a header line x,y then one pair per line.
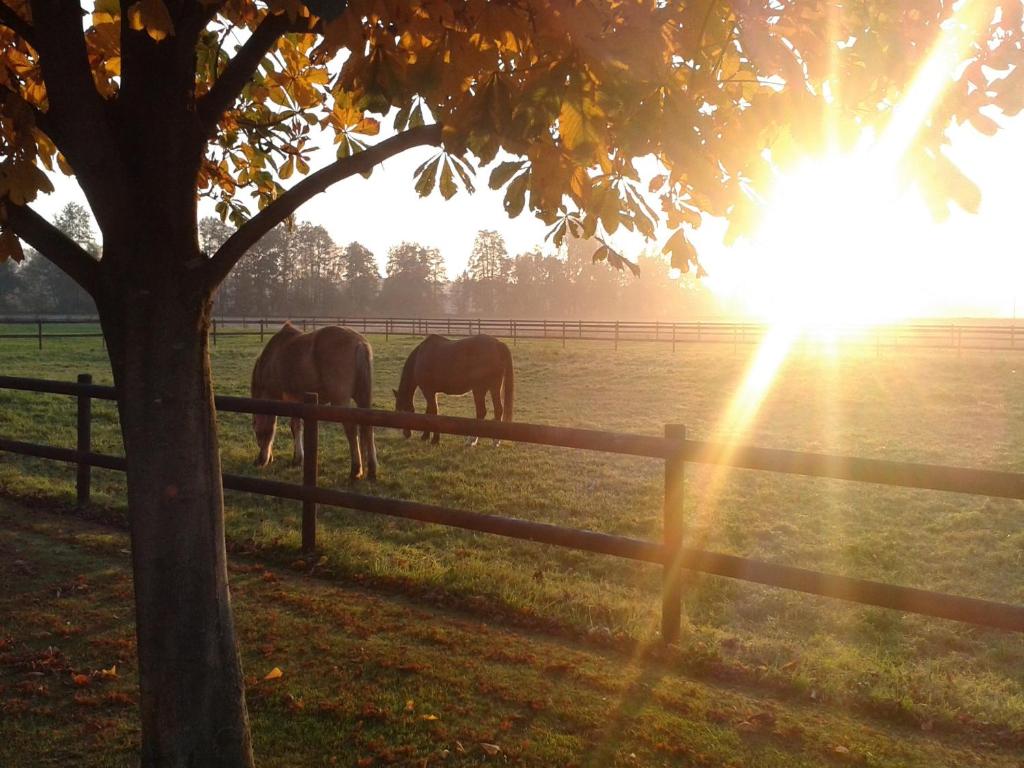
x,y
432,410
480,400
352,433
369,449
499,410
297,440
431,398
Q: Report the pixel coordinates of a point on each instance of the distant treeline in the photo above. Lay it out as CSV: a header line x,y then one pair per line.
x,y
299,270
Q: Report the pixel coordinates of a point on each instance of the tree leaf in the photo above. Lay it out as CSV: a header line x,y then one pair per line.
x,y
152,16
447,184
428,177
682,251
274,674
515,194
503,172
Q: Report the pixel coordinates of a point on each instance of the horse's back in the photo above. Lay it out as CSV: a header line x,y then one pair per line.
x,y
456,366
325,361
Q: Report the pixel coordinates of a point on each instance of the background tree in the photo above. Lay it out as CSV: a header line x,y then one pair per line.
x,y
44,288
414,286
149,102
489,271
362,280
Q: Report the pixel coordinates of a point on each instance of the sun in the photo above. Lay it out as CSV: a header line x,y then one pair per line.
x,y
836,248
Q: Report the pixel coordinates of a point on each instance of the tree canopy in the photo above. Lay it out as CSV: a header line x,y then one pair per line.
x,y
565,95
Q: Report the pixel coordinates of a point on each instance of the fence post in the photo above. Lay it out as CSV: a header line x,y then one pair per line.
x,y
673,337
387,329
215,331
563,334
39,332
515,337
616,334
84,479
310,474
261,330
672,541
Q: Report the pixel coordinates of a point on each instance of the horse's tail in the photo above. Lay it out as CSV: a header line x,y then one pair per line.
x,y
510,384
363,390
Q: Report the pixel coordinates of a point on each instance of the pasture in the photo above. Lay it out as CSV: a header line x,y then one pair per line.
x,y
929,407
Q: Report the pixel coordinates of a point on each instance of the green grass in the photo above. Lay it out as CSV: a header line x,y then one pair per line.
x,y
917,407
371,680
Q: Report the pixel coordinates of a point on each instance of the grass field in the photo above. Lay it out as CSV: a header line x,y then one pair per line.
x,y
919,407
369,680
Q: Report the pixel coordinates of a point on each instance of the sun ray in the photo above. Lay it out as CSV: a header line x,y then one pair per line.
x,y
823,257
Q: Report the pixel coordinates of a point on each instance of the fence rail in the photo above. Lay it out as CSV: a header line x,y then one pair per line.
x,y
961,336
674,449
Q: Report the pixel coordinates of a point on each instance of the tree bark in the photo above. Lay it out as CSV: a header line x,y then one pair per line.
x,y
192,691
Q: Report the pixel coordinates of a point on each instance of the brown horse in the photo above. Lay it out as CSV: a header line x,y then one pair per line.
x,y
334,362
438,365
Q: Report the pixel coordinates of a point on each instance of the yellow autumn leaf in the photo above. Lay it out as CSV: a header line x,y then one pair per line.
x,y
108,674
152,16
428,717
410,705
273,674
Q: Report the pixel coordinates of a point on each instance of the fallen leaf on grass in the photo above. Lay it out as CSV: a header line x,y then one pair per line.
x,y
490,749
108,674
428,717
81,680
410,705
841,750
273,674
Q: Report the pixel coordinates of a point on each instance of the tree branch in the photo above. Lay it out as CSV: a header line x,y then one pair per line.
x,y
77,113
249,233
14,22
239,70
54,245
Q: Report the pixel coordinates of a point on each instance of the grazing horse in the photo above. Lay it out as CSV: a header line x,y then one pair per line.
x,y
478,363
334,362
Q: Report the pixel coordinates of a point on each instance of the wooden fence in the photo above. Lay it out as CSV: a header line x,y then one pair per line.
x,y
674,449
952,336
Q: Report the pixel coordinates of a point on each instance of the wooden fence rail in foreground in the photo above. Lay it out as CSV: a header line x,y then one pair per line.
x,y
959,337
673,448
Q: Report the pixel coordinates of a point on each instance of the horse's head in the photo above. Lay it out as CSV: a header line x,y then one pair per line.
x,y
403,403
264,425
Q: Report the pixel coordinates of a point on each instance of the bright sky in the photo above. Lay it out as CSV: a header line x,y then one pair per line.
x,y
893,255
969,264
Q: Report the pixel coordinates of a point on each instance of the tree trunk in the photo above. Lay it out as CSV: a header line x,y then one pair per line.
x,y
192,692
